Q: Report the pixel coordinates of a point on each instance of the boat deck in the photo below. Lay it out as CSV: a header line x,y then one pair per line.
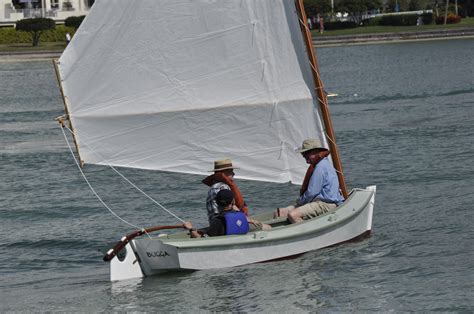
x,y
266,218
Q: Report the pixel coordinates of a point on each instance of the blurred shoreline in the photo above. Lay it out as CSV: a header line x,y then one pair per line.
x,y
318,41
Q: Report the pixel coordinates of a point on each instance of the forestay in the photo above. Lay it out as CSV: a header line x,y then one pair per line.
x,y
174,84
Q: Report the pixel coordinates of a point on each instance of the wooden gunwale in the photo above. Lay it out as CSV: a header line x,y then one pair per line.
x,y
276,237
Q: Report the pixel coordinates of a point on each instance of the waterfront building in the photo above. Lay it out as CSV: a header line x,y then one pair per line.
x,y
58,10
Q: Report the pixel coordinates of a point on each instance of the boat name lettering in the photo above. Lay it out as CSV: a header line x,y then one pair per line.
x,y
157,254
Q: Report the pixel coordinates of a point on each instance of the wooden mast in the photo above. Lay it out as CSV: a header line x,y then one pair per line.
x,y
66,110
322,99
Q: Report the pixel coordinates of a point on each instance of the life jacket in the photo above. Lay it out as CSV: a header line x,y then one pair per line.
x,y
236,223
309,172
220,177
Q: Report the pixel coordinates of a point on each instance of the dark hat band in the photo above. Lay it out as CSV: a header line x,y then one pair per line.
x,y
223,166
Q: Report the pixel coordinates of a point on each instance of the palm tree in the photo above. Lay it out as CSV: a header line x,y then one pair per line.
x,y
446,12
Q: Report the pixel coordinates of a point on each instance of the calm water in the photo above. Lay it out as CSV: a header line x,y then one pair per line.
x,y
404,120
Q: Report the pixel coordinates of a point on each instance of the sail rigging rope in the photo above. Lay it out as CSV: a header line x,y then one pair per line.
x,y
322,102
133,185
148,196
88,183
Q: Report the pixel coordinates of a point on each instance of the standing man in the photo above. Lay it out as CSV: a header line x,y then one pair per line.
x,y
222,179
68,38
320,190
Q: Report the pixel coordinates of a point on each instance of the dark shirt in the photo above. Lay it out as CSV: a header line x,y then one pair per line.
x,y
217,227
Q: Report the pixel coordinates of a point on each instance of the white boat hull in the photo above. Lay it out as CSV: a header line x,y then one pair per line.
x,y
349,221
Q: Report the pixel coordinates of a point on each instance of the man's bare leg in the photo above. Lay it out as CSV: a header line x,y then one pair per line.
x,y
283,211
295,216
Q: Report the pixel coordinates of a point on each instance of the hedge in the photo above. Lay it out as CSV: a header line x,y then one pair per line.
x,y
427,18
8,35
74,21
399,20
339,25
375,21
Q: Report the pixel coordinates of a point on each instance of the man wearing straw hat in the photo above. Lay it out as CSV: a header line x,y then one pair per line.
x,y
223,179
320,190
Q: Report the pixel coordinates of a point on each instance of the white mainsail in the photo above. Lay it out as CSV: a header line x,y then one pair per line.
x,y
172,85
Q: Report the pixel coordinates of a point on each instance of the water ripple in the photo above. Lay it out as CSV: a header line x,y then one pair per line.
x,y
399,124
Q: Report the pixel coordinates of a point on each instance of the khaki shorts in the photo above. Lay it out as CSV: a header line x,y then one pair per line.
x,y
314,209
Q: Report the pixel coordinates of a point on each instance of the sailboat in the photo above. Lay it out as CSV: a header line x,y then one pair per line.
x,y
171,85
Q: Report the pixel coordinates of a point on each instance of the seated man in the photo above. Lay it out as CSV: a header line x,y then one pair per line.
x,y
222,179
320,190
230,221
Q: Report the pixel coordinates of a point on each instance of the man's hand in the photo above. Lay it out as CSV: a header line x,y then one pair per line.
x,y
188,225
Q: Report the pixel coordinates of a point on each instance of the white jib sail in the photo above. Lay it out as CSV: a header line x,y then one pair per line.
x,y
173,85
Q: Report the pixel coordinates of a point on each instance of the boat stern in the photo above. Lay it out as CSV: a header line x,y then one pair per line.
x,y
156,256
126,268
371,205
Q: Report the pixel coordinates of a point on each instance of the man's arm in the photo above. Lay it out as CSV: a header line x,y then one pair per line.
x,y
193,232
315,187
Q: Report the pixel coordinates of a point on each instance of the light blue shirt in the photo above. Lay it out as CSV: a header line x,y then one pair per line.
x,y
323,185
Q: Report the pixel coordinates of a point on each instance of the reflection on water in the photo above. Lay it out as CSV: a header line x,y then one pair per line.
x,y
409,132
125,286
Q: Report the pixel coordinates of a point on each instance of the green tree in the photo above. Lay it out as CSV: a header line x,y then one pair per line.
x,y
315,7
35,27
466,7
415,5
74,21
403,5
357,8
446,12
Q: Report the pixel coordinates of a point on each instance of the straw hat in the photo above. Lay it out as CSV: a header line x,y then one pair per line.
x,y
223,164
309,144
